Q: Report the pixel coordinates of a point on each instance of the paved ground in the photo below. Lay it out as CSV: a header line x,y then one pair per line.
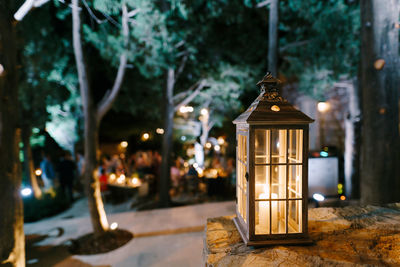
x,y
165,237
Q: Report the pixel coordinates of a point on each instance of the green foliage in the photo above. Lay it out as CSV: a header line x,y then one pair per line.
x,y
48,81
321,40
223,91
226,42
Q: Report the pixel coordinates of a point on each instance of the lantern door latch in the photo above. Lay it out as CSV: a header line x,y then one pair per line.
x,y
247,176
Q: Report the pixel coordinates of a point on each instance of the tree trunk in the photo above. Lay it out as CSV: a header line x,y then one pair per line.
x,y
353,143
12,243
28,160
380,132
273,37
165,178
92,186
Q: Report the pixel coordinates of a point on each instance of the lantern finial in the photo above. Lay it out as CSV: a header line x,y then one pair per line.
x,y
270,86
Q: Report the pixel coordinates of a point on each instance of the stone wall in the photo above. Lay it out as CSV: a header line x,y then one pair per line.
x,y
350,236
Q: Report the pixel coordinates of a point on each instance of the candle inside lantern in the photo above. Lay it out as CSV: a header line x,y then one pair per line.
x,y
263,209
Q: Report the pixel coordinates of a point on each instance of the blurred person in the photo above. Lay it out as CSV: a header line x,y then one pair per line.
x,y
175,174
80,164
192,178
66,174
131,164
103,180
48,174
114,163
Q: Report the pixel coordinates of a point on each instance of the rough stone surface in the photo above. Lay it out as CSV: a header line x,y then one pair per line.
x,y
350,236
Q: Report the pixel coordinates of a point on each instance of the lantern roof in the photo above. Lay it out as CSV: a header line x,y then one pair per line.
x,y
271,108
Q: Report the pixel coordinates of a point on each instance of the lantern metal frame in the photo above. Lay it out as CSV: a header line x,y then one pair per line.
x,y
270,111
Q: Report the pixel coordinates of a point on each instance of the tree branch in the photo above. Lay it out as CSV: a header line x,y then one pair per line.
x,y
264,3
109,98
183,94
78,52
294,44
198,87
27,6
210,125
182,65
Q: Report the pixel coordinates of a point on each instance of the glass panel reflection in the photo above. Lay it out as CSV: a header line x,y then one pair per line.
x,y
294,216
262,182
278,146
295,174
262,217
295,149
278,217
262,138
278,174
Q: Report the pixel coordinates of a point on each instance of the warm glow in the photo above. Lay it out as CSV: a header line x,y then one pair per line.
x,y
342,198
112,177
204,111
121,179
217,148
195,165
114,226
136,181
124,144
1,69
145,136
208,145
275,108
323,106
38,172
185,164
214,172
160,130
221,140
279,178
185,109
379,64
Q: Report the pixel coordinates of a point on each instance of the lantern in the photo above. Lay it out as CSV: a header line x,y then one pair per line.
x,y
271,188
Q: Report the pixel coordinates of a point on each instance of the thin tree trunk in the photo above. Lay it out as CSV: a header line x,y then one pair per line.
x,y
352,154
380,133
92,187
12,243
273,37
28,160
165,178
92,184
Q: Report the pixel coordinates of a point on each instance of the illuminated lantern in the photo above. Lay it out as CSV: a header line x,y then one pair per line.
x,y
272,182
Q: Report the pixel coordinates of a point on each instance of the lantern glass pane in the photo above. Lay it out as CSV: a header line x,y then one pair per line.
x,y
241,191
262,139
278,217
262,217
295,181
262,182
278,145
278,181
295,216
295,149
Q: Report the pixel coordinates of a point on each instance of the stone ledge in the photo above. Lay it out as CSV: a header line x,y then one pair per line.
x,y
350,236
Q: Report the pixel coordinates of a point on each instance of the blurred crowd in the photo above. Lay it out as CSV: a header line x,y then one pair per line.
x,y
67,173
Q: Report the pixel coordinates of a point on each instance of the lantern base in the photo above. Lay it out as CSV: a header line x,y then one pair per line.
x,y
287,241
